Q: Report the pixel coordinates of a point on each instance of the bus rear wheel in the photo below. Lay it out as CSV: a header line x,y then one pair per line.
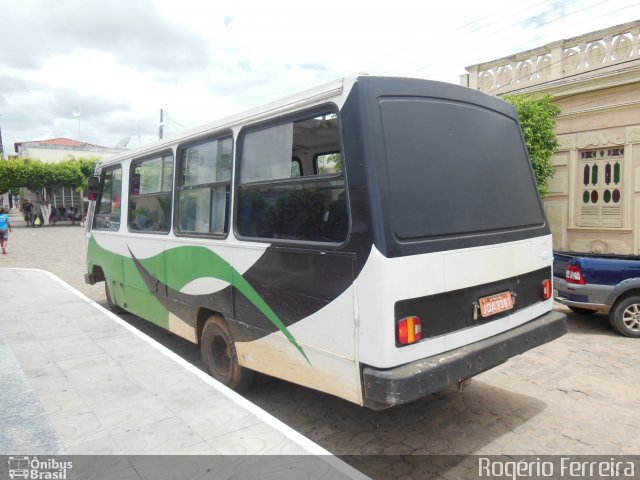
x,y
220,357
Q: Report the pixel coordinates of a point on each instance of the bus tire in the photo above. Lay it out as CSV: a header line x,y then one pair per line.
x,y
112,305
220,357
625,317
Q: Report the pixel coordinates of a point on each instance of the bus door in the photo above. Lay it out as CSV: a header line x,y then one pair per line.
x,y
296,317
148,224
103,239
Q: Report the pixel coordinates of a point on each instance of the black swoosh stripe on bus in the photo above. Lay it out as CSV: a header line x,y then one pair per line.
x,y
294,282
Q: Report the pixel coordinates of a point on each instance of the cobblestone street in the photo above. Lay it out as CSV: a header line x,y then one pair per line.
x,y
578,395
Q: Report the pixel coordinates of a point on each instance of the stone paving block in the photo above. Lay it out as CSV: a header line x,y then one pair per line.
x,y
215,417
77,428
124,342
64,404
112,389
96,361
132,411
101,328
70,341
162,437
106,374
101,446
254,440
160,377
190,394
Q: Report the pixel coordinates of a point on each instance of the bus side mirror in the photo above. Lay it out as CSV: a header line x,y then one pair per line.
x,y
93,188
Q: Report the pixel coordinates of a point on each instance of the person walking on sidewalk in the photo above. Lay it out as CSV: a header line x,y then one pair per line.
x,y
38,218
27,209
5,228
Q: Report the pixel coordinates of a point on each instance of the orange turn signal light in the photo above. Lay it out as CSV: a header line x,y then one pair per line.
x,y
546,291
409,330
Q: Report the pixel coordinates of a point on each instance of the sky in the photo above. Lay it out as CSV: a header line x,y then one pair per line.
x,y
100,72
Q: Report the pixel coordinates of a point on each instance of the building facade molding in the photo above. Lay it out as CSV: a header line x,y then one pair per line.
x,y
571,58
594,199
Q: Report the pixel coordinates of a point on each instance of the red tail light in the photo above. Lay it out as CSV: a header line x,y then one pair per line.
x,y
409,330
546,291
574,275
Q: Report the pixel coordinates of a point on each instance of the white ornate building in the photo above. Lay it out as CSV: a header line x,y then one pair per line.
x,y
57,150
594,203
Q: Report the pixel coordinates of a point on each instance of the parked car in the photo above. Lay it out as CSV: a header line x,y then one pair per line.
x,y
607,283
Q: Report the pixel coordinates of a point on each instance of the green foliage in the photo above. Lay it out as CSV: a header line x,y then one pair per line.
x,y
9,175
537,117
330,162
86,165
37,176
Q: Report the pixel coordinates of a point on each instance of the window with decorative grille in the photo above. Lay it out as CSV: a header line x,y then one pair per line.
x,y
601,187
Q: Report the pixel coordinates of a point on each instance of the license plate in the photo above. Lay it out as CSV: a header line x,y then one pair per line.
x,y
495,304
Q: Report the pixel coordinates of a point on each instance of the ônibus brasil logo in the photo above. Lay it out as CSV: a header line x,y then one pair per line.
x,y
34,468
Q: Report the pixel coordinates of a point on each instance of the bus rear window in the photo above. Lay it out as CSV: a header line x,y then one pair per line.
x,y
455,169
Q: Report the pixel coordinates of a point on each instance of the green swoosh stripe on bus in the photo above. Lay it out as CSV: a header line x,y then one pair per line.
x,y
202,262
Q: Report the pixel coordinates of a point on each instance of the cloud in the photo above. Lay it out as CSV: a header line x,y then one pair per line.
x,y
313,66
135,33
28,103
10,85
555,11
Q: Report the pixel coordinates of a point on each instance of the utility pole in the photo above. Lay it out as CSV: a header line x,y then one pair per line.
x,y
160,132
76,113
1,147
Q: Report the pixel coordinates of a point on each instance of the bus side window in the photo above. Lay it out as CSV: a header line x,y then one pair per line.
x,y
275,201
327,163
204,189
296,167
108,208
151,195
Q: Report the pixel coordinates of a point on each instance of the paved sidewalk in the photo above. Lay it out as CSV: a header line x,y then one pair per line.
x,y
106,389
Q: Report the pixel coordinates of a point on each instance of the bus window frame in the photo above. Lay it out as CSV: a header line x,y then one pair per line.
x,y
102,173
313,112
178,187
133,163
297,161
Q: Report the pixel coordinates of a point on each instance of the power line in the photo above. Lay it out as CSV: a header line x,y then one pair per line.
x,y
524,44
548,67
363,67
478,28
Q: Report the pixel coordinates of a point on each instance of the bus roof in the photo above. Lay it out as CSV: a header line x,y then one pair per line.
x,y
307,97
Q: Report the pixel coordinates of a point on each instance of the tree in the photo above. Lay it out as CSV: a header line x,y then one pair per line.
x,y
10,174
43,178
538,120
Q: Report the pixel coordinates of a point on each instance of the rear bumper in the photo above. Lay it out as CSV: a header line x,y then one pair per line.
x,y
590,297
403,384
